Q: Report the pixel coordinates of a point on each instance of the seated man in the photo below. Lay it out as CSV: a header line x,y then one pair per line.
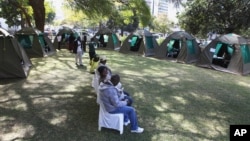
x,y
110,99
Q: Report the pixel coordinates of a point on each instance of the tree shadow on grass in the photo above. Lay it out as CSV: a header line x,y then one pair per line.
x,y
56,102
48,116
187,109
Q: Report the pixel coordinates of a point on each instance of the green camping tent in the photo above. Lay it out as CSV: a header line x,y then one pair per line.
x,y
35,43
228,53
14,60
62,37
107,39
141,42
181,46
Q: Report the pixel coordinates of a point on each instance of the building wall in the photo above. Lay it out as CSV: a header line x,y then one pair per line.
x,y
158,6
163,7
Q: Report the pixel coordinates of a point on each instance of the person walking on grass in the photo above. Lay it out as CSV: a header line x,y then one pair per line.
x,y
78,51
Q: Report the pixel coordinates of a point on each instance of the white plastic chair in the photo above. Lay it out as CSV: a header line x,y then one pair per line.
x,y
95,82
112,121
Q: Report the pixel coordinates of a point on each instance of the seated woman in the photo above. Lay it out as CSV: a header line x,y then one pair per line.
x,y
104,72
113,105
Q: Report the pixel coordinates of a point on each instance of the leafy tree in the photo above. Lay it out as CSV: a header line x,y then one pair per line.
x,y
92,8
17,13
117,13
50,13
202,16
24,12
161,24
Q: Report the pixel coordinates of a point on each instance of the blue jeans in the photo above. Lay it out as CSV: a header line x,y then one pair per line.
x,y
129,113
128,97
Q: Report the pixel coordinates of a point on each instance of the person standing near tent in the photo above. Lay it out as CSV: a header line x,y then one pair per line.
x,y
84,42
71,41
78,51
59,39
92,52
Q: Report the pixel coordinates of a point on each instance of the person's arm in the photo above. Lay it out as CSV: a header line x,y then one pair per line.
x,y
115,101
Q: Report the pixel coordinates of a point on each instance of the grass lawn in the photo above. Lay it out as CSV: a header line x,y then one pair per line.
x,y
174,102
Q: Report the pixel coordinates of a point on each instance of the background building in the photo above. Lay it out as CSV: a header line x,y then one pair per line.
x,y
165,7
158,7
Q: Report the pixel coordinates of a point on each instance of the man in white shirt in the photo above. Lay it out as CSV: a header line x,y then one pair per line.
x,y
78,50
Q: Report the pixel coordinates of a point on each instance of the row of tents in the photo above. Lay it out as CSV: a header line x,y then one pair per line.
x,y
227,53
17,50
105,38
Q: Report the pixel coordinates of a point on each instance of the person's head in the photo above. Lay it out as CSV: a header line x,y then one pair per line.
x,y
115,79
103,71
96,58
103,60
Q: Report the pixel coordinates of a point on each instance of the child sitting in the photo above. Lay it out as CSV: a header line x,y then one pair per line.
x,y
123,95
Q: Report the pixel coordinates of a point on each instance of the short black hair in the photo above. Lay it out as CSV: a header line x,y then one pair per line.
x,y
115,78
100,69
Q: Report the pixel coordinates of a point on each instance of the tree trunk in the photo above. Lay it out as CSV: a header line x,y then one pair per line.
x,y
39,13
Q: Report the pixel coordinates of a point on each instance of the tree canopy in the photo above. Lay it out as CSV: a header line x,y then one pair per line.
x,y
117,13
27,13
127,12
224,16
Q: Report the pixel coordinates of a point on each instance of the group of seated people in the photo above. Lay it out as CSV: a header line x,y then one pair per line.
x,y
112,95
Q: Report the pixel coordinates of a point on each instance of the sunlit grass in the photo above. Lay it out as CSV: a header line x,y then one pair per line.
x,y
174,102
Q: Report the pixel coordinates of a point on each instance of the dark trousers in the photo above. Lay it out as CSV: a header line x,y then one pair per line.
x,y
91,55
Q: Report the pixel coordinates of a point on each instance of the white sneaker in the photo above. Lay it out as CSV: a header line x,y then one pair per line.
x,y
127,123
138,130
